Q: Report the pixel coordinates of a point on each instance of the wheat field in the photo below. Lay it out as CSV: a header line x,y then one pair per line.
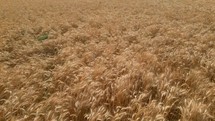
x,y
107,60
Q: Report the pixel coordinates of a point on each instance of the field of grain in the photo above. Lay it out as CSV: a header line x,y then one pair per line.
x,y
107,60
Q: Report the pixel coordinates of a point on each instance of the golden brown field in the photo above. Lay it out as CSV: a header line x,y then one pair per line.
x,y
107,60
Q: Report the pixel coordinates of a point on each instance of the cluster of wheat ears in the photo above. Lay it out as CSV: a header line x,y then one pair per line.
x,y
107,60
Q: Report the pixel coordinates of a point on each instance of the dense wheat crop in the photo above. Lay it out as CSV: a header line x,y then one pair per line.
x,y
107,60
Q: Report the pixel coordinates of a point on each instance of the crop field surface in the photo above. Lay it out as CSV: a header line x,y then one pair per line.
x,y
107,60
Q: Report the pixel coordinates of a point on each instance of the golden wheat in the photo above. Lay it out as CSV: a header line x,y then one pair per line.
x,y
110,60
